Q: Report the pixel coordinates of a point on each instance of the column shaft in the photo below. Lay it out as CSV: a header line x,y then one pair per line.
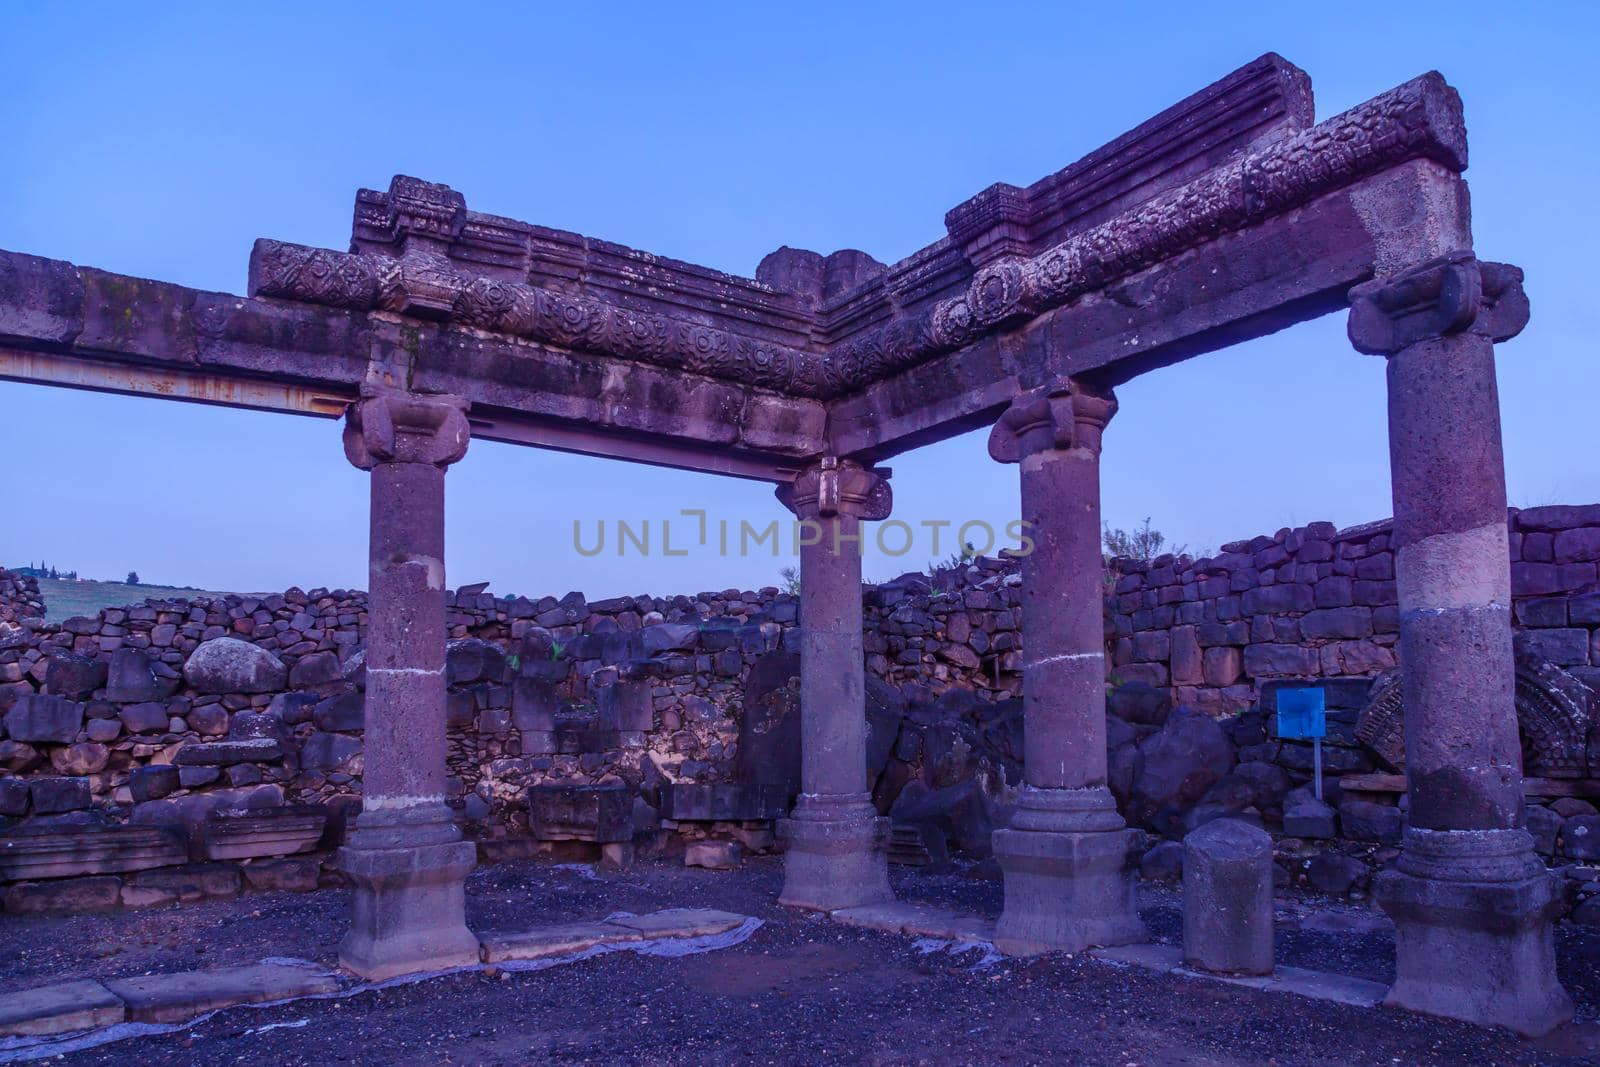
x,y
1063,624
1471,902
405,737
1452,563
832,683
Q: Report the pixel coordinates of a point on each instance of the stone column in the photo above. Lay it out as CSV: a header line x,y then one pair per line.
x,y
1471,901
1068,854
836,843
405,855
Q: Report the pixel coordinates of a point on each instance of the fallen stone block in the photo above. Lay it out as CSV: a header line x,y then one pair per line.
x,y
580,813
680,922
172,998
65,897
235,835
197,881
70,851
713,855
227,753
1310,819
292,875
59,1009
723,802
561,940
898,917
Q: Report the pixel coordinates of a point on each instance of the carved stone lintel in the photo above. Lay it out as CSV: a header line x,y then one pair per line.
x,y
1063,416
834,486
394,426
1451,294
482,283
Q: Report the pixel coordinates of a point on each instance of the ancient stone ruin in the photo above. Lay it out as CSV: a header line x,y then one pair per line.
x,y
1228,216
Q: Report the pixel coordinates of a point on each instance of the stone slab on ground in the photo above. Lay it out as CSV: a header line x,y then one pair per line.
x,y
1319,985
897,917
59,1008
680,922
544,941
171,998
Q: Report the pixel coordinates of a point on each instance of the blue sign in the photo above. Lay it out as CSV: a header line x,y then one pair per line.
x,y
1302,712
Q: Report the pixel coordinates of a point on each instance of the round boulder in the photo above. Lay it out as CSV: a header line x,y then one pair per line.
x,y
229,665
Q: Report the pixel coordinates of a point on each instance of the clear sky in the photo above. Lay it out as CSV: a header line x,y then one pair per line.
x,y
160,141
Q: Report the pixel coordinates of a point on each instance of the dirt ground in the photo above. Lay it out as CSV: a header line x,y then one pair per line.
x,y
801,990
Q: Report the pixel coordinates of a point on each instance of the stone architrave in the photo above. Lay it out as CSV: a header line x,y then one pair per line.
x,y
837,844
406,855
1471,901
1068,856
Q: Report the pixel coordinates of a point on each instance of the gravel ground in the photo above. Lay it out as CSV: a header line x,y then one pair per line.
x,y
801,990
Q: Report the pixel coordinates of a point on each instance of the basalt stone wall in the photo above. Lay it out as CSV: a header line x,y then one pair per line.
x,y
19,598
142,714
1318,602
156,712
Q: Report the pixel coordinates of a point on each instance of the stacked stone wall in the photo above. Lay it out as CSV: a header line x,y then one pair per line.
x,y
1318,602
112,719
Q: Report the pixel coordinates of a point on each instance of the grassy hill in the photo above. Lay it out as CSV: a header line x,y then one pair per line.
x,y
63,600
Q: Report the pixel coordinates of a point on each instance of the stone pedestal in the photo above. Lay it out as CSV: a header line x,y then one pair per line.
x,y
405,855
1227,898
1472,903
1473,939
836,845
1068,856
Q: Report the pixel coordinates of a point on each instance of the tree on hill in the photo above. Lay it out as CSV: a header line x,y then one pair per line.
x,y
133,577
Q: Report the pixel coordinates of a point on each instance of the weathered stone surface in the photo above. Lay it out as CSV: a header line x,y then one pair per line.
x,y
173,998
680,922
229,665
1330,872
1227,898
36,717
543,942
319,668
580,813
194,881
1363,820
55,1009
288,875
65,897
1310,818
713,855
68,851
74,676
52,795
235,835
1178,764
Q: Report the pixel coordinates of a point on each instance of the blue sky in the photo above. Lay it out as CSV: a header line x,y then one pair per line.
x,y
161,142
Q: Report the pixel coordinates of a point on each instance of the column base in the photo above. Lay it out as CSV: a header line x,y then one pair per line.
x,y
409,910
1067,890
1473,940
836,853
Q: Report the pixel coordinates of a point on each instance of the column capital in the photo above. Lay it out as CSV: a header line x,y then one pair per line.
x,y
1066,415
834,486
395,426
1452,294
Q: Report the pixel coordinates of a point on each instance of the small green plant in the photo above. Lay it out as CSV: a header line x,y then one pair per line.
x,y
557,649
790,576
1143,542
514,661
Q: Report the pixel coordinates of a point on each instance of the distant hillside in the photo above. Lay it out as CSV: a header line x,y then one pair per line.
x,y
63,599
